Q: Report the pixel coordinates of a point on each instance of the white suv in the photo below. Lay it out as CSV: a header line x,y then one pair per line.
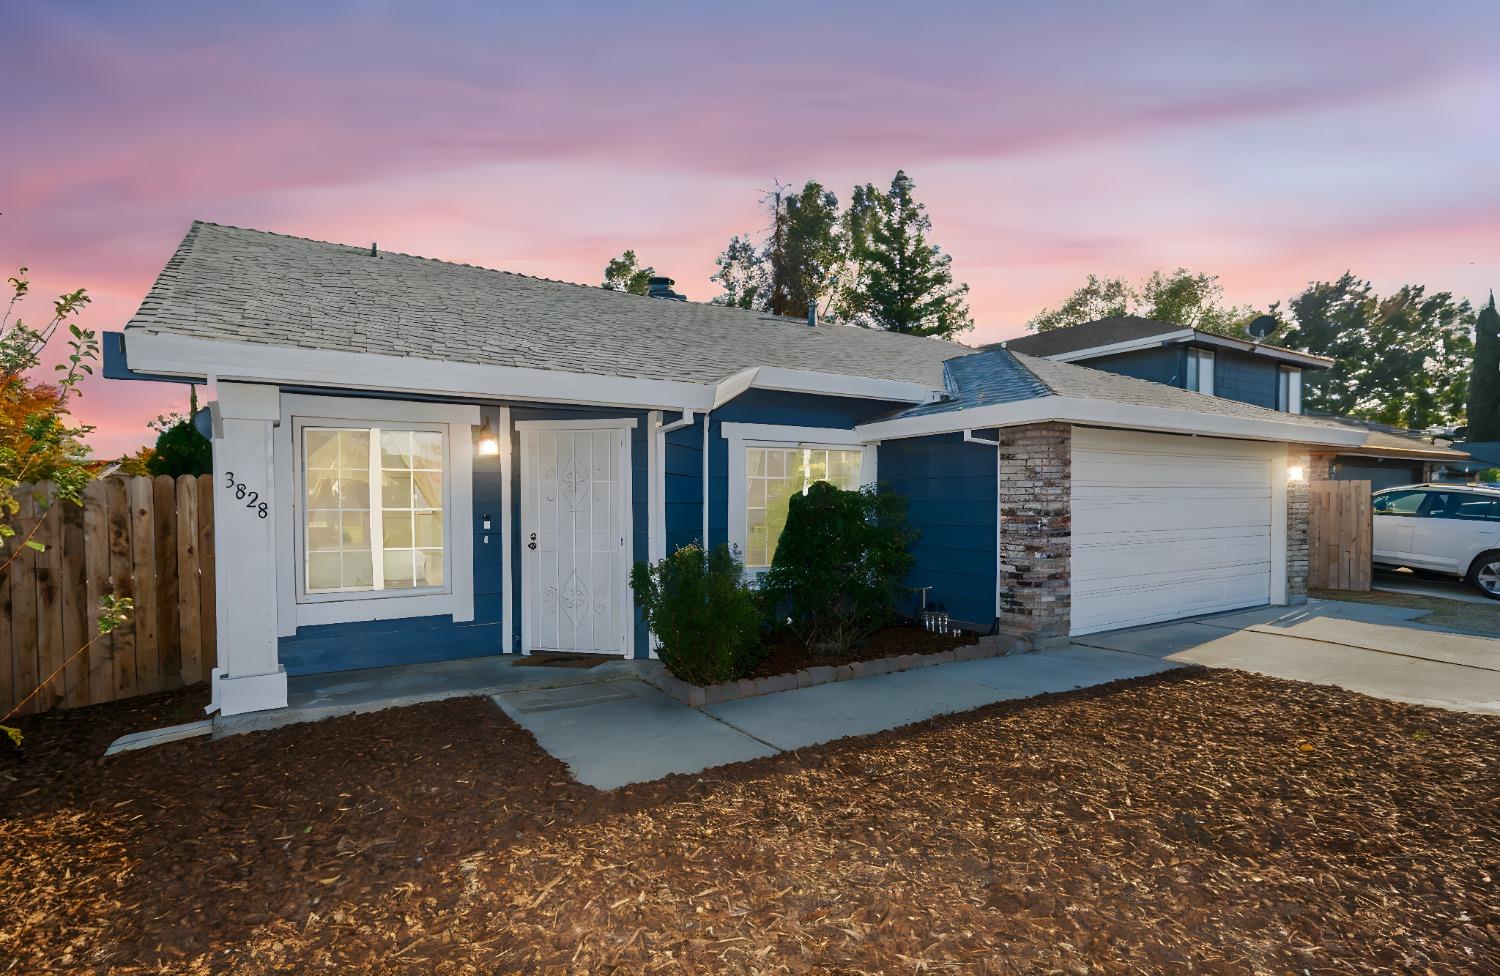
x,y
1453,530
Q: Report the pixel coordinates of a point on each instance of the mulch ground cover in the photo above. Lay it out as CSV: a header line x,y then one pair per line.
x,y
1189,822
785,653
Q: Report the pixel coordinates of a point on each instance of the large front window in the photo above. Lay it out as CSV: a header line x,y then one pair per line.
x,y
772,476
373,505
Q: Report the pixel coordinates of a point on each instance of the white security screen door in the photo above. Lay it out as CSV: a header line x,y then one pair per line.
x,y
575,537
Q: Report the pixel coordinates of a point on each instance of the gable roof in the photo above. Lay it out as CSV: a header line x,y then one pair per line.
x,y
1101,337
233,284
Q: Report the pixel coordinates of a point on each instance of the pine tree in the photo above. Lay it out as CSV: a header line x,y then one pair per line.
x,y
805,250
1484,381
907,283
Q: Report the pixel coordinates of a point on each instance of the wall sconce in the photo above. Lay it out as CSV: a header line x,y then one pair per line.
x,y
488,444
1294,473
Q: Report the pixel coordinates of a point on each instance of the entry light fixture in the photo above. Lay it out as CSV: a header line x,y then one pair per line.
x,y
1294,473
488,444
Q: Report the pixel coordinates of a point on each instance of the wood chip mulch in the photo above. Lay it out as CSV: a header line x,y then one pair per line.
x,y
1189,822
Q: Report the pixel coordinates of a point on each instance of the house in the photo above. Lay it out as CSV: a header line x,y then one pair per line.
x,y
1238,369
418,460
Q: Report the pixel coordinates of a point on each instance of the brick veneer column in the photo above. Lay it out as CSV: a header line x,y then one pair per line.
x,y
1314,467
1036,533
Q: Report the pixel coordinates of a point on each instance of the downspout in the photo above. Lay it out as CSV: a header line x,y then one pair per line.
x,y
705,478
969,438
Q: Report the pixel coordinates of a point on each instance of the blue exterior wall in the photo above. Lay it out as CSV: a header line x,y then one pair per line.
x,y
1246,378
410,640
1166,364
684,492
772,407
950,490
1237,376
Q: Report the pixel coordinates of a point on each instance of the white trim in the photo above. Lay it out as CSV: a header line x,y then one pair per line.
x,y
175,355
626,476
457,598
1126,345
1190,335
783,434
603,423
1278,527
823,384
1111,413
741,436
507,466
969,438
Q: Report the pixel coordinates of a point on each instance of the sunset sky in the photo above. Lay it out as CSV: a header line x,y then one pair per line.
x,y
1271,144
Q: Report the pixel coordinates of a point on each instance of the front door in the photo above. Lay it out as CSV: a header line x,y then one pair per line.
x,y
575,537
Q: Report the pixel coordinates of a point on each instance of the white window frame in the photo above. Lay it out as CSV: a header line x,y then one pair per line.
x,y
1200,370
455,598
1289,389
742,436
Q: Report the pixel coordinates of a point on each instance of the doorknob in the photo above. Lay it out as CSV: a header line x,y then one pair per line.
x,y
532,543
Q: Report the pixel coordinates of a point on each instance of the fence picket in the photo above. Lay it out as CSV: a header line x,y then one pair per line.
x,y
23,605
1339,535
9,637
143,562
164,523
100,664
208,619
121,584
189,580
75,620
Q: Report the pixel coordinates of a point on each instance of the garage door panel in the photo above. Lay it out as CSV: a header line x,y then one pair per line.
x,y
1146,514
1167,527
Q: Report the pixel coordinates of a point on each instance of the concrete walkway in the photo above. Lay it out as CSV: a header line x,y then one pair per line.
x,y
1374,650
628,732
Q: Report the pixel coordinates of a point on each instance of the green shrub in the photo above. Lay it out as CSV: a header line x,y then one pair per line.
x,y
705,618
839,566
182,450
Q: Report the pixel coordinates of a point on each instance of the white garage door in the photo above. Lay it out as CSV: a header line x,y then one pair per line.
x,y
1167,527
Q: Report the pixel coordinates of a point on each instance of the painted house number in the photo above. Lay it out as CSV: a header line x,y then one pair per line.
x,y
242,492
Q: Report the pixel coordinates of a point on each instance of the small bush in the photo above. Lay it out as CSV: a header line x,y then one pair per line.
x,y
839,566
182,450
703,614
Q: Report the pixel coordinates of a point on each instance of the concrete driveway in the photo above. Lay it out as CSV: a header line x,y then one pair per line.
x,y
1374,650
1405,581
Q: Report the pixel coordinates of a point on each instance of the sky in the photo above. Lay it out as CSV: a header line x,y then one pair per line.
x,y
1271,144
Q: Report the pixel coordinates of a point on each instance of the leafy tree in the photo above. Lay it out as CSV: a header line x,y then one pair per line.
x,y
1097,298
906,283
742,274
1401,360
1182,297
1484,381
839,565
625,273
38,440
805,250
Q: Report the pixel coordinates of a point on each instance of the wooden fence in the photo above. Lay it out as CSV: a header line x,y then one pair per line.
x,y
1339,535
150,539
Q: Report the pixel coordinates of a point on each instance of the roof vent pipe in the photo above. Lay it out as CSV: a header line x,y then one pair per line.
x,y
812,313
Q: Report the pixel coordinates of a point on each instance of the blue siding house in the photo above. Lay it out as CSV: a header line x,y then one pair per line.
x,y
448,461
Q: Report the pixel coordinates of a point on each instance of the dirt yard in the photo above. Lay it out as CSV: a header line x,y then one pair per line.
x,y
1189,822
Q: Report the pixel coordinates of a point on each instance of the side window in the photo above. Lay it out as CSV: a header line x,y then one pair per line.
x,y
1472,508
1399,502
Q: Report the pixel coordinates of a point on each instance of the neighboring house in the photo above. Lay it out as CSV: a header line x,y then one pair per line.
x,y
419,460
1238,369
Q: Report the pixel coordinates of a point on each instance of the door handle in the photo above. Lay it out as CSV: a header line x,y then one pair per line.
x,y
532,543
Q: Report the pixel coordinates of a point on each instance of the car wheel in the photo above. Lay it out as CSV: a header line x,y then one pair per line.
x,y
1485,574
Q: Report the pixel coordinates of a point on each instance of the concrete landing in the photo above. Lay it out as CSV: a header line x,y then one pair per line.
x,y
626,732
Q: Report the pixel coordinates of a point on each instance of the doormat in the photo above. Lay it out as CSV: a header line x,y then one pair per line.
x,y
551,660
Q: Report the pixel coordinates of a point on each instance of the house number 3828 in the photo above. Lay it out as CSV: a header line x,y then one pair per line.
x,y
242,493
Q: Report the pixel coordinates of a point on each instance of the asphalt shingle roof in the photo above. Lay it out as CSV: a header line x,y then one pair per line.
x,y
1087,335
229,283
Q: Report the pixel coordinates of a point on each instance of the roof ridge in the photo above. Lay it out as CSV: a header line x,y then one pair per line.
x,y
1020,358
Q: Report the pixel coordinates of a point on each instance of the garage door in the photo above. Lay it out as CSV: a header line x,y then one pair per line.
x,y
1167,527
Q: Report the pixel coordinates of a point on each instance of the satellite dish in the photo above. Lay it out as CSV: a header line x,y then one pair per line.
x,y
1262,326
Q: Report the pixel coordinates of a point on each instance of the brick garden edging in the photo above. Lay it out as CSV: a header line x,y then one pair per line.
x,y
695,695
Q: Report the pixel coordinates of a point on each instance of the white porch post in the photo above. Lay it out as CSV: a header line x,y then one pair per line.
x,y
249,677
